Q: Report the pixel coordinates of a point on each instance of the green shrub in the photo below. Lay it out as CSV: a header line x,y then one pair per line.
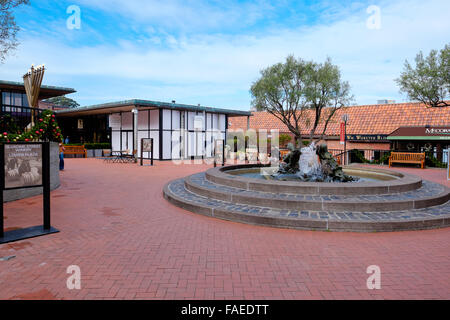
x,y
284,138
93,145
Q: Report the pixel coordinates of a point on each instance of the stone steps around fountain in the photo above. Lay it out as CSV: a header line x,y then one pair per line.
x,y
429,194
414,219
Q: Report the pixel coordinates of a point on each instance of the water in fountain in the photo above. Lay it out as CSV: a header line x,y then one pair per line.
x,y
309,165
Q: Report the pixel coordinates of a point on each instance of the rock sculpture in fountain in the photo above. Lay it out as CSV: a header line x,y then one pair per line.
x,y
311,163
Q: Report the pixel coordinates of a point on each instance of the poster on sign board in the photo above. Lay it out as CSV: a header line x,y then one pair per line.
x,y
23,165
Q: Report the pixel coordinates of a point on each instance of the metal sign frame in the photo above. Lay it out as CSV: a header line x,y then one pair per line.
x,y
151,151
35,231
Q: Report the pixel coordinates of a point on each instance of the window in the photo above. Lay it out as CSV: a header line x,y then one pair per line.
x,y
25,100
17,99
6,97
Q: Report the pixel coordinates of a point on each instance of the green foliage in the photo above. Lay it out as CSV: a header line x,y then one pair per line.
x,y
8,124
429,81
90,146
284,138
287,89
361,157
8,26
432,161
45,129
63,101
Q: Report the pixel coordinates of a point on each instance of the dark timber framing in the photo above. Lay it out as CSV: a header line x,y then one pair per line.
x,y
197,141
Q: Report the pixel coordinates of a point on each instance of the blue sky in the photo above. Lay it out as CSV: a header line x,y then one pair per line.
x,y
210,52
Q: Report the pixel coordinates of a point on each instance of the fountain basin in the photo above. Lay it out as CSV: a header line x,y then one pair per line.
x,y
400,202
385,182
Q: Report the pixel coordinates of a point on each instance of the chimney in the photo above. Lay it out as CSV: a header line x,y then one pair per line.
x,y
385,101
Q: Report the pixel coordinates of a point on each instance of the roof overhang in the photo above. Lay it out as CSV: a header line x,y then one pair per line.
x,y
46,92
128,105
421,133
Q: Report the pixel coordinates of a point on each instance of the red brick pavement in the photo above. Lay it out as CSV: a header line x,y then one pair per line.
x,y
132,244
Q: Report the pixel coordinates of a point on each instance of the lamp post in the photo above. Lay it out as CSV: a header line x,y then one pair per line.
x,y
345,118
135,134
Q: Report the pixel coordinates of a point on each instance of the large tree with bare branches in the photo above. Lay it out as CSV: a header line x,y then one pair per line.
x,y
301,93
9,28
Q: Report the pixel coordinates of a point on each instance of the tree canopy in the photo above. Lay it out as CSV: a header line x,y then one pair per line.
x,y
429,81
8,26
63,101
301,92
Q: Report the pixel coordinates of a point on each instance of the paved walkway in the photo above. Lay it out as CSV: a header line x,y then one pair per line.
x,y
132,244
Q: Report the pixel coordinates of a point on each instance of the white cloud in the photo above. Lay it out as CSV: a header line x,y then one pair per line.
x,y
188,15
218,69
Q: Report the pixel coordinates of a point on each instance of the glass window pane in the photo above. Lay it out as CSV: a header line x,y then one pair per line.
x,y
6,97
25,100
17,99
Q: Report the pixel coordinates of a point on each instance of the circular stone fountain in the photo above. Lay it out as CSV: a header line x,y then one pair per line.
x,y
387,201
309,190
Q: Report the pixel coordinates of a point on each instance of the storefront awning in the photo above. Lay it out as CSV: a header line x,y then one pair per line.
x,y
421,133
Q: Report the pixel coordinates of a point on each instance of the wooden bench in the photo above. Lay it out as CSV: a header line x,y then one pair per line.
x,y
406,157
75,150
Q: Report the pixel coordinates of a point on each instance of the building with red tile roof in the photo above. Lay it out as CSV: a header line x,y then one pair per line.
x,y
368,126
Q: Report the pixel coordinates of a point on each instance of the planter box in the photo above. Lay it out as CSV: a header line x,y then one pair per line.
x,y
98,153
90,153
106,152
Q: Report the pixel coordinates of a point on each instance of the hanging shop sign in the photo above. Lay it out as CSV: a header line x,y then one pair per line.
x,y
342,133
366,137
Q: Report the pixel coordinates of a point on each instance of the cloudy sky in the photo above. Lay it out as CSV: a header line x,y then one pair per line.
x,y
210,52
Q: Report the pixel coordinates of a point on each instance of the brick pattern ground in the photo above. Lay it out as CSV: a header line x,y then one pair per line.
x,y
132,244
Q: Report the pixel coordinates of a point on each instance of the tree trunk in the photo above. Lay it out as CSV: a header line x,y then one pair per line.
x,y
298,141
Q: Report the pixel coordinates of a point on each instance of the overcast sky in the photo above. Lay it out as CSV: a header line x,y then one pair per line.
x,y
210,52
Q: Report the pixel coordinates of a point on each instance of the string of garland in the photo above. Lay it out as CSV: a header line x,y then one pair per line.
x,y
45,129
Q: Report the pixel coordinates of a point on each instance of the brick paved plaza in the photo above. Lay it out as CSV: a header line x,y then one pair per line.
x,y
132,244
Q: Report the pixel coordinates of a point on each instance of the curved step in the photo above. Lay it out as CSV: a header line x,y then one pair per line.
x,y
429,194
403,183
414,219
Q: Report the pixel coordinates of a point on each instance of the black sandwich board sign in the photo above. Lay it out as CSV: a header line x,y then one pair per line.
x,y
25,165
146,146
